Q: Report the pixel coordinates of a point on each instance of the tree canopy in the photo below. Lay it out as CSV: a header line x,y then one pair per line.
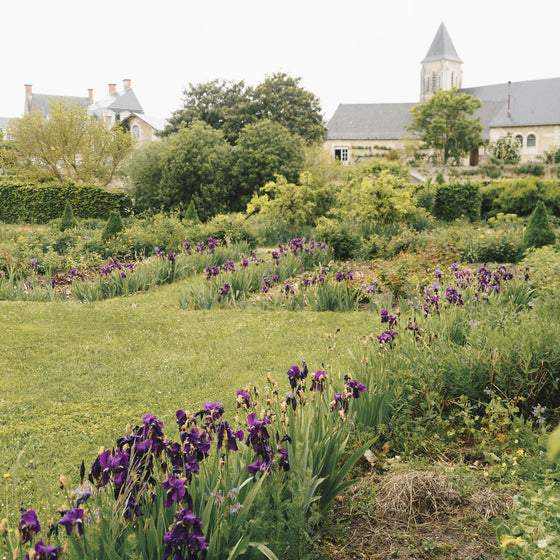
x,y
195,166
69,144
230,106
264,149
445,124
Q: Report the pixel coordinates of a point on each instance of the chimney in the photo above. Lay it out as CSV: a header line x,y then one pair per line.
x,y
28,90
112,88
127,83
90,95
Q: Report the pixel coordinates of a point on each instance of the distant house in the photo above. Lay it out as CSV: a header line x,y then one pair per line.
x,y
4,121
115,108
528,110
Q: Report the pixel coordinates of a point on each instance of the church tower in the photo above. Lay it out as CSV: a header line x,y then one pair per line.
x,y
441,67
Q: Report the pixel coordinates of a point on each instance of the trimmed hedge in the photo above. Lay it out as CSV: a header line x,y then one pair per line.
x,y
520,196
453,201
42,202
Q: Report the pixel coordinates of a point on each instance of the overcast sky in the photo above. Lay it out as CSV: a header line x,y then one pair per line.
x,y
345,51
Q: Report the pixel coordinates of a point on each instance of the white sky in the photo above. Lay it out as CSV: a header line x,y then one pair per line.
x,y
345,51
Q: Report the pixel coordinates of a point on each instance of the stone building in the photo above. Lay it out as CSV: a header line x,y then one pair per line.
x,y
528,110
115,108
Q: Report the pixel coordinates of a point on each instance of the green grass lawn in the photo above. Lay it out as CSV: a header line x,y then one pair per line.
x,y
73,375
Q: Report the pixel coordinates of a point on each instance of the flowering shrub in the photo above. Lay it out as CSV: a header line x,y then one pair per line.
x,y
197,497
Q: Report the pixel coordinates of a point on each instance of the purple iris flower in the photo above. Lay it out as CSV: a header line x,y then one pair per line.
x,y
185,533
176,489
387,337
72,521
44,552
357,388
243,398
29,525
283,463
181,418
224,431
318,381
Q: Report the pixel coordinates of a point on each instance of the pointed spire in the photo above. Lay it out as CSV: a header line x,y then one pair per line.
x,y
442,47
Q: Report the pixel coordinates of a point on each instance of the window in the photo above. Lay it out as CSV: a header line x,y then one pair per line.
x,y
108,120
135,132
341,154
434,81
531,141
519,138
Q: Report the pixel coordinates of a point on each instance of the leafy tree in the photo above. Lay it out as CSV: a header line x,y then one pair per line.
x,y
539,231
195,166
67,221
230,106
445,125
281,99
70,144
144,172
264,150
223,105
505,150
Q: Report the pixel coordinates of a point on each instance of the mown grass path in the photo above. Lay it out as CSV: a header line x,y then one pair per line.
x,y
73,375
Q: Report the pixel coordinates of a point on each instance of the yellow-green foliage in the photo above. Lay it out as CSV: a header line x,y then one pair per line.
x,y
520,196
543,267
292,203
376,199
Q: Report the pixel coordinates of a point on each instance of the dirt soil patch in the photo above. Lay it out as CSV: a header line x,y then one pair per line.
x,y
414,515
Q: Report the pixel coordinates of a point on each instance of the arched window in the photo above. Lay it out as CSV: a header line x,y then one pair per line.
x,y
531,141
135,132
519,138
434,81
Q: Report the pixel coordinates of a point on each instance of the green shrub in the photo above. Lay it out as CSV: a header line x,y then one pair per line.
x,y
42,202
455,200
492,171
113,226
191,214
531,168
67,221
519,196
340,238
543,267
539,232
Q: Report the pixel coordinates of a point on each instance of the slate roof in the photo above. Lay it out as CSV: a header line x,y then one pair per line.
x,y
442,47
117,102
43,101
532,103
370,121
